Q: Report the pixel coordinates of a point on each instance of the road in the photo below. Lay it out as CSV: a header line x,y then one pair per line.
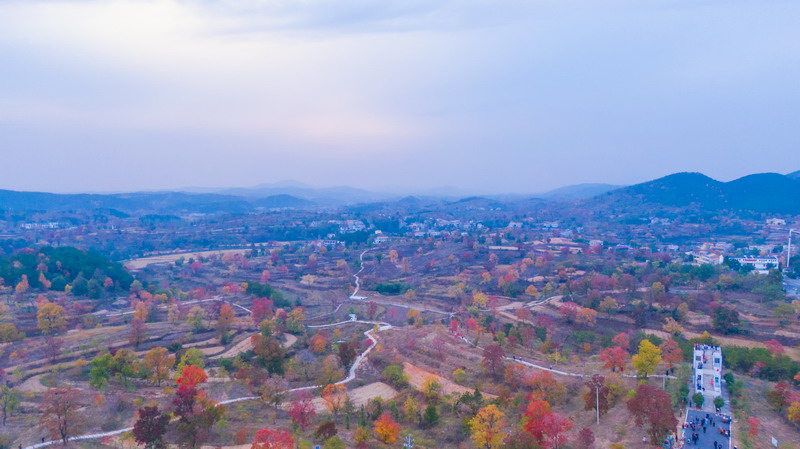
x,y
712,433
792,287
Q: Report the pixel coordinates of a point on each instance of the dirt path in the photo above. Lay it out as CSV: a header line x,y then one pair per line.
x,y
212,350
210,341
33,385
290,340
243,346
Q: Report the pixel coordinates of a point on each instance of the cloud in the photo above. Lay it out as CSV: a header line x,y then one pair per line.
x,y
505,91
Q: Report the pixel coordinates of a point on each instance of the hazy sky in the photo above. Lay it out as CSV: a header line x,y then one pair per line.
x,y
486,95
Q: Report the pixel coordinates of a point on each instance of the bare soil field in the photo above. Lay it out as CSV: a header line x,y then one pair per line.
x,y
417,376
33,385
772,423
245,345
794,353
360,396
137,264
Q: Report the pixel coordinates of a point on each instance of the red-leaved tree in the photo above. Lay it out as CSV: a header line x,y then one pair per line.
x,y
191,376
614,358
492,362
260,310
546,426
671,353
301,409
273,439
652,407
59,412
585,439
150,427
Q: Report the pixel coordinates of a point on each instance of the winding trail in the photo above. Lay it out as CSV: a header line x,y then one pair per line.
x,y
354,295
377,326
517,359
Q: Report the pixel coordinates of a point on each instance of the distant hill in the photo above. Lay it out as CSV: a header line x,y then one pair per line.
x,y
577,192
282,202
323,195
794,175
763,192
143,203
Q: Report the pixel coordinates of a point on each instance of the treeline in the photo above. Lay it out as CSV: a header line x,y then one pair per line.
x,y
392,288
760,362
85,272
267,291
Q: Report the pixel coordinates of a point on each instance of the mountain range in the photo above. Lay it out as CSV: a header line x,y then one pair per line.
x,y
763,192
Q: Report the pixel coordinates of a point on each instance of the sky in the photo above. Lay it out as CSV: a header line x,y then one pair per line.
x,y
484,96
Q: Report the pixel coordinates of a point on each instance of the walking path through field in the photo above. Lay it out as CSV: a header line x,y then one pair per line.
x,y
378,326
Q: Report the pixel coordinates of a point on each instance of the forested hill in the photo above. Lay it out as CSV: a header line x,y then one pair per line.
x,y
145,202
763,192
86,272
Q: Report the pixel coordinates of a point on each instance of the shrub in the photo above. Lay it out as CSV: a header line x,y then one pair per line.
x,y
431,416
392,288
460,376
698,399
395,375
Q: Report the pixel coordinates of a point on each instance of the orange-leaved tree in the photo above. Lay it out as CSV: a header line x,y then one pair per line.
x,y
191,376
387,429
335,397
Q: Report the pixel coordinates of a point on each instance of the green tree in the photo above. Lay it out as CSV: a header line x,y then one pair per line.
x,y
9,401
195,318
192,356
334,443
431,416
784,313
100,372
125,365
395,375
725,320
698,399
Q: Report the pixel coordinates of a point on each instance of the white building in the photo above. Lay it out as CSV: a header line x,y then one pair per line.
x,y
706,257
707,365
760,264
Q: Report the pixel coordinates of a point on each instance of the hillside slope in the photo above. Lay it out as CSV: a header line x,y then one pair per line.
x,y
763,192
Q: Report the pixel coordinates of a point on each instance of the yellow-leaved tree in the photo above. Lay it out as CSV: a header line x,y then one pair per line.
x,y
486,427
479,299
51,318
647,360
